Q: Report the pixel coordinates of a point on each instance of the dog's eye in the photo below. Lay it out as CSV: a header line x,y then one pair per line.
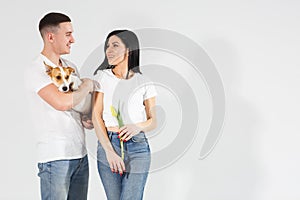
x,y
58,77
67,77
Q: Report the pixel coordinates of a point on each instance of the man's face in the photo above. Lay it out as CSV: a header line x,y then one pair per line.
x,y
63,38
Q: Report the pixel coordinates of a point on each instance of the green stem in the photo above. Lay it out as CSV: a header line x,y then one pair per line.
x,y
120,122
122,149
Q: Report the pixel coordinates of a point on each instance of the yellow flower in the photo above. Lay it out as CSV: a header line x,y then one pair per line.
x,y
120,122
113,111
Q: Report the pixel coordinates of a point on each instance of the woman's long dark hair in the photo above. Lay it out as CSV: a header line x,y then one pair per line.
x,y
132,43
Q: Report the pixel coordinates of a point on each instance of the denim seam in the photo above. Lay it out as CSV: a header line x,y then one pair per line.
x,y
49,168
78,168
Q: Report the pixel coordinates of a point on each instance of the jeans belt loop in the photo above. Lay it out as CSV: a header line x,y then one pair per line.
x,y
110,133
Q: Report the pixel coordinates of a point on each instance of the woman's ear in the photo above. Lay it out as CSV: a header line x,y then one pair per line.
x,y
127,52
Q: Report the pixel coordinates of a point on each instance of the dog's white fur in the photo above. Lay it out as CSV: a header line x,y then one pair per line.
x,y
75,82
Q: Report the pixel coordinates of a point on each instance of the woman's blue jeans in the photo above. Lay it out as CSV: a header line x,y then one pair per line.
x,y
129,186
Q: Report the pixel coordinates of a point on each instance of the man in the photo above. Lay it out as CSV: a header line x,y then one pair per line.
x,y
62,156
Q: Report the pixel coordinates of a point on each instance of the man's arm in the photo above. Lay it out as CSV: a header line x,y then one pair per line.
x,y
65,101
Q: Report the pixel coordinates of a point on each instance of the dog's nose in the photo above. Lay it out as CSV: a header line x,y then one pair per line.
x,y
65,88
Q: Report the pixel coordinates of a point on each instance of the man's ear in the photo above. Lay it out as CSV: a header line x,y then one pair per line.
x,y
49,36
48,69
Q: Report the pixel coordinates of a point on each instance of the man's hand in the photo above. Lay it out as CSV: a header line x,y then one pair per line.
x,y
87,84
91,85
87,122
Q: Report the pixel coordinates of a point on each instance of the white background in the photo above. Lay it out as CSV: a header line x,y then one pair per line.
x,y
255,47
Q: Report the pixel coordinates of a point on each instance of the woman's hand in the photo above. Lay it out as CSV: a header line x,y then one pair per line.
x,y
128,131
116,163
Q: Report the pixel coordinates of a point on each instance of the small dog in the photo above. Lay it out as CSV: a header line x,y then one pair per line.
x,y
66,81
63,78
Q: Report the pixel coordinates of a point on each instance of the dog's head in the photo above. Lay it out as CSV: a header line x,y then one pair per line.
x,y
61,77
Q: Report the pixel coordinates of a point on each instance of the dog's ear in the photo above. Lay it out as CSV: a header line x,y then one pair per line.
x,y
70,69
48,69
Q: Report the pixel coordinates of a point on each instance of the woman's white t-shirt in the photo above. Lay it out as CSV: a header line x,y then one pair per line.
x,y
126,95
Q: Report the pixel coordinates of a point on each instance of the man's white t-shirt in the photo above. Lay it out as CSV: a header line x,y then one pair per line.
x,y
125,95
60,134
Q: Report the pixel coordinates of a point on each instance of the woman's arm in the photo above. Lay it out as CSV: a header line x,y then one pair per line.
x,y
129,130
115,162
151,122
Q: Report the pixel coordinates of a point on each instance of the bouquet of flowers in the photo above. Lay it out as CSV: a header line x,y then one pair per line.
x,y
117,115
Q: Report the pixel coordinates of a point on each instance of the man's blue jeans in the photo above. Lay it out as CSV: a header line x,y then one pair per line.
x,y
129,186
64,179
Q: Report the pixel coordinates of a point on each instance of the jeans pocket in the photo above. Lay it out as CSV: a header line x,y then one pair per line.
x,y
43,167
40,166
139,138
138,144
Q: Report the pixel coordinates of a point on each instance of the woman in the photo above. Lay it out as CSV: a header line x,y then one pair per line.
x,y
127,90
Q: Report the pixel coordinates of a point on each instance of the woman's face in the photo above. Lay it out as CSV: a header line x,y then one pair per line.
x,y
116,51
